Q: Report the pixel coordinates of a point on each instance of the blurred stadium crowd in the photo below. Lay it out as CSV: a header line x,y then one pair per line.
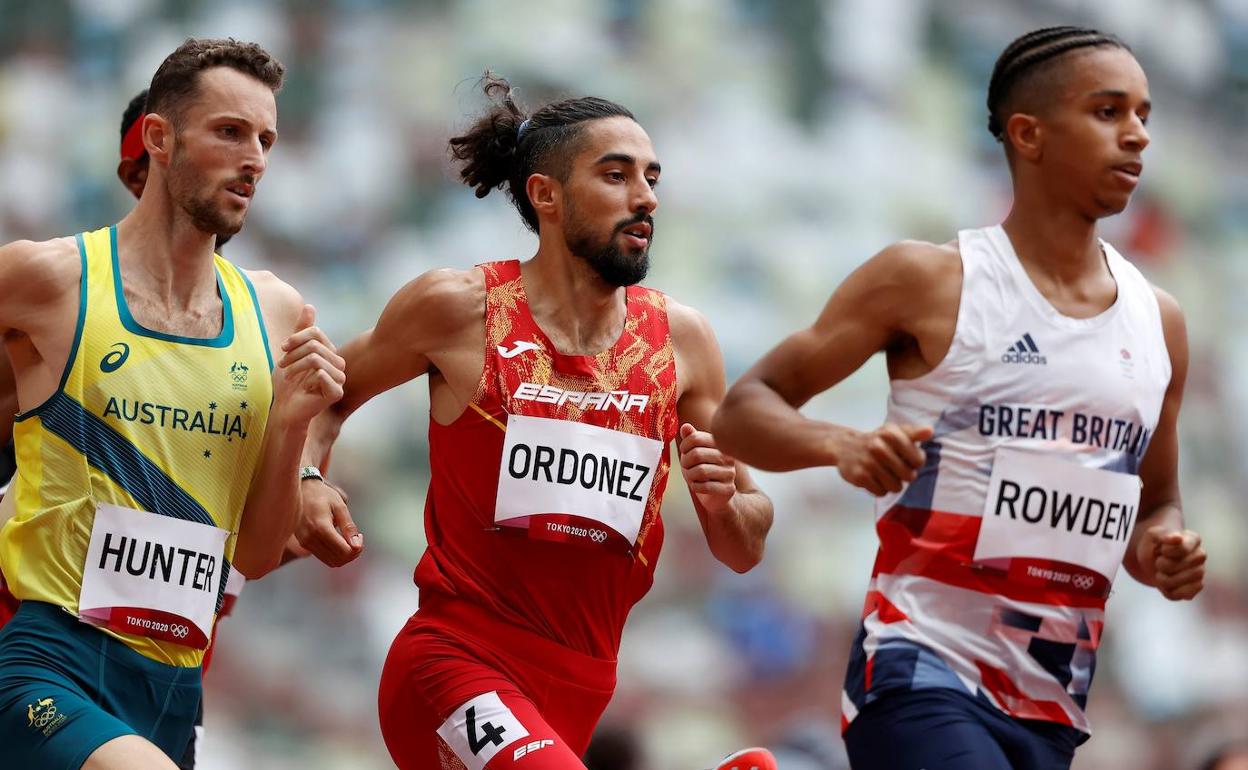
x,y
797,138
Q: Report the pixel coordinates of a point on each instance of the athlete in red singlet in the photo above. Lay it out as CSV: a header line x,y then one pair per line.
x,y
557,386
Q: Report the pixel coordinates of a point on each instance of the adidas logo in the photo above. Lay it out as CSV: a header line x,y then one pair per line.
x,y
1024,351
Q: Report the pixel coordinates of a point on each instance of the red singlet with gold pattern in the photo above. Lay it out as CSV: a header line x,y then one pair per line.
x,y
544,495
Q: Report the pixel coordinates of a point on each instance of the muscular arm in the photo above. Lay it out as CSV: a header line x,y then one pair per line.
x,y
8,398
419,331
307,373
39,284
1161,553
734,513
900,297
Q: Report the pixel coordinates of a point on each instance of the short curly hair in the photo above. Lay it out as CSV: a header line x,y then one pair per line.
x,y
176,79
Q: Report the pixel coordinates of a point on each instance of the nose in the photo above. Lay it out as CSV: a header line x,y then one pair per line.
x,y
254,160
1135,138
644,199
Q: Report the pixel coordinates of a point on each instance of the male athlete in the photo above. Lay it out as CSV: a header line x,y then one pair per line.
x,y
132,171
557,386
155,451
1036,378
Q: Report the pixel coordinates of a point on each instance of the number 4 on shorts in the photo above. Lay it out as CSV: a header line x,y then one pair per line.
x,y
481,728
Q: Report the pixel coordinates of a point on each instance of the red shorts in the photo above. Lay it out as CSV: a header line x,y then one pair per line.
x,y
463,689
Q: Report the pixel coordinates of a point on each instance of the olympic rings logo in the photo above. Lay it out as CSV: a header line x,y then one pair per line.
x,y
178,630
1083,582
597,535
45,717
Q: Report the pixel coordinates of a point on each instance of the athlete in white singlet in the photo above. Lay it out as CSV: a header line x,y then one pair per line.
x,y
1030,446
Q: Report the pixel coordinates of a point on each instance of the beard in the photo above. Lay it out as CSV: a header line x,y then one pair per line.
x,y
615,266
194,195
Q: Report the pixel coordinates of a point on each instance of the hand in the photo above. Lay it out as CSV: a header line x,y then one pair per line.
x,y
325,527
1173,561
292,550
710,474
310,374
883,460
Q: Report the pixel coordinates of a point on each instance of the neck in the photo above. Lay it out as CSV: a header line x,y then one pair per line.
x,y
162,254
568,299
1052,237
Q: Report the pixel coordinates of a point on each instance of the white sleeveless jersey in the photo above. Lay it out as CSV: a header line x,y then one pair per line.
x,y
995,563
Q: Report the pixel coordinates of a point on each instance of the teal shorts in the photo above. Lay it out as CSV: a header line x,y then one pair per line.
x,y
67,688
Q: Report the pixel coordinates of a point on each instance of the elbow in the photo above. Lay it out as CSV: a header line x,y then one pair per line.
x,y
742,561
744,565
254,569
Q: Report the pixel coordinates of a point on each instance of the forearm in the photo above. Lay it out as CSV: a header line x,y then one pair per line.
x,y
757,426
737,535
273,504
322,433
1170,517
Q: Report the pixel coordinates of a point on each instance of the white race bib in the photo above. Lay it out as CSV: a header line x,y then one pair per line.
x,y
152,575
557,468
481,728
1043,508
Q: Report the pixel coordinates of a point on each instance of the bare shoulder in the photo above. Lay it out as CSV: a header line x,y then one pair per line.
x,y
440,301
1173,326
1171,312
47,265
279,301
39,281
920,262
900,289
690,328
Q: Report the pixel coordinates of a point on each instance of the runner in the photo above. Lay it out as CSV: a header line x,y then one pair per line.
x,y
151,435
557,386
1036,378
132,171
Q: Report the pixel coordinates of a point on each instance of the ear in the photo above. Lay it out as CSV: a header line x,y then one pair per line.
x,y
158,137
1025,135
545,195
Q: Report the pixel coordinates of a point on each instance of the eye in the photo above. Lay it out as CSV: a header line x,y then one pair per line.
x,y
616,176
653,181
228,132
266,142
1107,112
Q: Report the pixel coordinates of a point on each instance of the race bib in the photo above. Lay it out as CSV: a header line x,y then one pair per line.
x,y
152,575
1061,522
481,728
575,482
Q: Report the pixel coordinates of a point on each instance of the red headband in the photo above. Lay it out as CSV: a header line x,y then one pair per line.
x,y
132,143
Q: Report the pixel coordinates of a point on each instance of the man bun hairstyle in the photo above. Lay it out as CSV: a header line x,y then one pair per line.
x,y
1029,55
177,77
504,147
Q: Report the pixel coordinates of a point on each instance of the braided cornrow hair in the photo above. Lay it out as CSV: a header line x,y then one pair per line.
x,y
1030,52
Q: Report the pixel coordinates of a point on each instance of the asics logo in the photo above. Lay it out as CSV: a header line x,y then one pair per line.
x,y
517,349
112,361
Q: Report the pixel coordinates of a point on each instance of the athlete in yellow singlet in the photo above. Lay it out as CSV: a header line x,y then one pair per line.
x,y
159,436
